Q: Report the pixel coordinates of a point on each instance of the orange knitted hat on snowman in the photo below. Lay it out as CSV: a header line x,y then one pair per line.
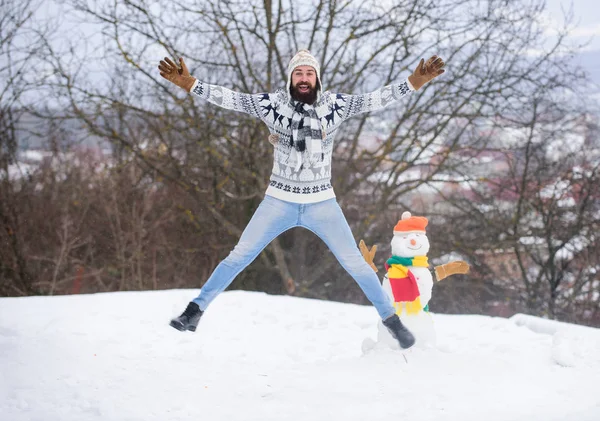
x,y
410,223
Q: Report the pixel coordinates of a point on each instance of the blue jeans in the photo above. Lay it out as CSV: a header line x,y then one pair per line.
x,y
273,217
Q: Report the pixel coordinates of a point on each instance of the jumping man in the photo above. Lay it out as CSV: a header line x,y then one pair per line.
x,y
303,122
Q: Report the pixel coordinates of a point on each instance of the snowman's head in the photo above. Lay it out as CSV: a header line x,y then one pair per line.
x,y
410,238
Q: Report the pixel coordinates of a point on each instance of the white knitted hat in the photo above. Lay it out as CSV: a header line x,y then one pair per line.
x,y
303,58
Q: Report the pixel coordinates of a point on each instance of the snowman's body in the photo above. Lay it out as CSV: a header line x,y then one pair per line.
x,y
413,245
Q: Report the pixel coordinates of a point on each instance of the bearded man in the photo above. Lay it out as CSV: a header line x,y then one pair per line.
x,y
303,121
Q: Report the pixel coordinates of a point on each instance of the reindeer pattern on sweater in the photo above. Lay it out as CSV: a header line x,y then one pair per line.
x,y
301,177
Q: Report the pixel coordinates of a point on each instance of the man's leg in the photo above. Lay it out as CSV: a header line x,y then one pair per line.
x,y
327,220
272,217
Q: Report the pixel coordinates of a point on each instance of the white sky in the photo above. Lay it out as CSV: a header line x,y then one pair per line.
x,y
587,31
587,19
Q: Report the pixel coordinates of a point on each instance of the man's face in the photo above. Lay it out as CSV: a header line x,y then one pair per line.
x,y
304,84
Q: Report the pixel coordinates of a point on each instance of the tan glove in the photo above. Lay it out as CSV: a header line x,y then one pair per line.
x,y
425,72
452,268
369,255
180,76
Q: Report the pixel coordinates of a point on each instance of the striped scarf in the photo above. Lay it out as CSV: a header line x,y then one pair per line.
x,y
307,133
404,284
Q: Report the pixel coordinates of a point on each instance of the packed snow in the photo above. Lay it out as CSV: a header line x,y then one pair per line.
x,y
113,356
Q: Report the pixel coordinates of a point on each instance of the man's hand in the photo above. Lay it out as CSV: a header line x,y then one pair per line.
x,y
180,76
426,72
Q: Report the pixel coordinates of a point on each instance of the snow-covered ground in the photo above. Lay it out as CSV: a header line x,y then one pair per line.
x,y
259,357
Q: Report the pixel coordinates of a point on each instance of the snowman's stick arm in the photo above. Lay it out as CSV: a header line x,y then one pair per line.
x,y
368,255
452,268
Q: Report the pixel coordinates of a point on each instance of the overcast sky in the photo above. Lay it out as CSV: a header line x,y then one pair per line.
x,y
586,29
587,18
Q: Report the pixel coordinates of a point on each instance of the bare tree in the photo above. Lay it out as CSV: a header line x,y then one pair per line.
x,y
20,43
221,161
536,221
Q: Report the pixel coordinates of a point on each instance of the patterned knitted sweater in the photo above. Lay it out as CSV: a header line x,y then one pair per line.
x,y
301,177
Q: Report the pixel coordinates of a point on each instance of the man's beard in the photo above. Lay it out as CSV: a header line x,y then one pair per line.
x,y
307,97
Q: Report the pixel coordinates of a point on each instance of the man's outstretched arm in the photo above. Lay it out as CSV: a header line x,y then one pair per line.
x,y
257,105
381,98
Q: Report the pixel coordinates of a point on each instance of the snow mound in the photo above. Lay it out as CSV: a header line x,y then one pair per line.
x,y
258,357
571,344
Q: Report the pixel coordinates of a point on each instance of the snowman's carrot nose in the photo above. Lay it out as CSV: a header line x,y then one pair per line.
x,y
413,242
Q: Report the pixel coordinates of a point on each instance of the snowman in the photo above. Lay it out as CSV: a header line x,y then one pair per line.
x,y
408,280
